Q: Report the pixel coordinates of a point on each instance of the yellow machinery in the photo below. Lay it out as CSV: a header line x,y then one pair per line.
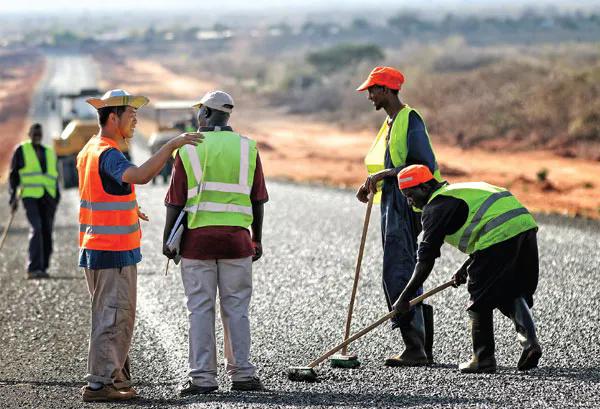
x,y
172,118
80,123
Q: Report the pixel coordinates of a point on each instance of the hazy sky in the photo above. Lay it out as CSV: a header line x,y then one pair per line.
x,y
45,6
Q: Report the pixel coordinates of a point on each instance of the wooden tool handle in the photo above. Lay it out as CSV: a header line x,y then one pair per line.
x,y
381,320
361,249
7,228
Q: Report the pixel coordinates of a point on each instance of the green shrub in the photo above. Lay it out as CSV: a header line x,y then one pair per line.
x,y
341,56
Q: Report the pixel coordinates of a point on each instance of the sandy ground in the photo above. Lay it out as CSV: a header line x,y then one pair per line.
x,y
298,149
19,72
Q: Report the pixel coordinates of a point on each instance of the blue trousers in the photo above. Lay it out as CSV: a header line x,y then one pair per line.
x,y
40,214
400,226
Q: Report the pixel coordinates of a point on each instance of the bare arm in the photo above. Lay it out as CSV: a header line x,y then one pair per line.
x,y
144,173
258,212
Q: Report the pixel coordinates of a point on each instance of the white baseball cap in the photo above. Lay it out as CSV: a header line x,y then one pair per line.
x,y
118,97
219,100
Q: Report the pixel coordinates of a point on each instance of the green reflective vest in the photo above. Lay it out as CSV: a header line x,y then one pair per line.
x,y
220,174
33,181
398,143
495,215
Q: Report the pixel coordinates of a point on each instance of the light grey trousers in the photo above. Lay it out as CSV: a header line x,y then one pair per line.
x,y
233,278
113,299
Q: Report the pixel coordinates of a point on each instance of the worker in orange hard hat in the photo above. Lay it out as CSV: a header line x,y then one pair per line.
x,y
497,232
402,140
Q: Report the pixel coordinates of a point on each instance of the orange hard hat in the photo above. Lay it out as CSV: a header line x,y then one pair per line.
x,y
385,76
413,175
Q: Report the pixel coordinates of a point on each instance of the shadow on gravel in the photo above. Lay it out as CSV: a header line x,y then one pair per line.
x,y
272,398
587,374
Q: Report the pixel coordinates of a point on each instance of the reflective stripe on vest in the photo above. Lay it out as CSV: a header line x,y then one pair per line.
x,y
87,229
220,173
398,143
495,215
106,222
32,179
108,205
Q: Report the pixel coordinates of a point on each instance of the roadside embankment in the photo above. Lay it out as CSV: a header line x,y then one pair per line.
x,y
20,70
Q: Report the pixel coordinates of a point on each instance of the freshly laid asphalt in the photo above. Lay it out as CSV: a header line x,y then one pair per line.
x,y
301,289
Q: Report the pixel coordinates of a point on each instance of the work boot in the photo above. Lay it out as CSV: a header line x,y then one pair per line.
x,y
190,388
252,384
428,320
107,393
413,335
482,334
532,351
34,275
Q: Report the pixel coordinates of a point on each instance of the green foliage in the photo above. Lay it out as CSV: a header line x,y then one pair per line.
x,y
542,175
341,56
64,37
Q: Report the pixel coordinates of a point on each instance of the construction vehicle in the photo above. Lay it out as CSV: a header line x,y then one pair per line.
x,y
79,122
172,118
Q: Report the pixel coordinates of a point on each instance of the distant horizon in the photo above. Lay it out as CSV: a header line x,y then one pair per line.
x,y
63,7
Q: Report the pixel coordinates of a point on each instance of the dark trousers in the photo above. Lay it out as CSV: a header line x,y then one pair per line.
x,y
40,213
399,230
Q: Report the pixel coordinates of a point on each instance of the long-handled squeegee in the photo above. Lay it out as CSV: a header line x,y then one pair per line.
x,y
308,374
345,360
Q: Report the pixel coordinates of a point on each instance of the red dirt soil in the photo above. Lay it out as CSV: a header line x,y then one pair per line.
x,y
19,73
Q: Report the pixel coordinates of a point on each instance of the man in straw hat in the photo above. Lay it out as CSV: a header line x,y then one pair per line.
x,y
490,225
109,239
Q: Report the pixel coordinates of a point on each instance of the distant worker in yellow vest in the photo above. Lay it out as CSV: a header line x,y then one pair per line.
x,y
221,188
490,225
402,140
35,175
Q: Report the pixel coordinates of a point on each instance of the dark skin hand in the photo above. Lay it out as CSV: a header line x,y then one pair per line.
x,y
172,213
258,211
371,182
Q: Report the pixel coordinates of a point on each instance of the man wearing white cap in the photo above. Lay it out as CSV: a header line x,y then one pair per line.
x,y
109,239
221,187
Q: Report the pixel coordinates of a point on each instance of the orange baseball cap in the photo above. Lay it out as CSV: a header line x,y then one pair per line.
x,y
413,175
384,76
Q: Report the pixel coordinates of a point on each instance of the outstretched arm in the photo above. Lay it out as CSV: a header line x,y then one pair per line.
x,y
144,173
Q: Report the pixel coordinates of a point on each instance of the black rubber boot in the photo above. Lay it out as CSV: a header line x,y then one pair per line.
x,y
532,351
428,320
413,335
482,333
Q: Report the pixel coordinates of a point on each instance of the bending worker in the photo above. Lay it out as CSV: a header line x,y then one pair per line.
x,y
402,140
109,239
490,225
33,169
221,187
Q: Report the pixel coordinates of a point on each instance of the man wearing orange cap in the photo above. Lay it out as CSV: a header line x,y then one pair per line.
x,y
109,239
490,225
402,140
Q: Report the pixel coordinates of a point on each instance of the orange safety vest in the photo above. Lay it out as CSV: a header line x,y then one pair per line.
x,y
106,222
